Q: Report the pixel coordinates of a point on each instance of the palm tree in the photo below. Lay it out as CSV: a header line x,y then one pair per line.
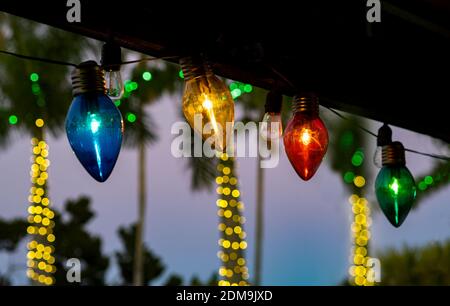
x,y
346,155
35,100
144,90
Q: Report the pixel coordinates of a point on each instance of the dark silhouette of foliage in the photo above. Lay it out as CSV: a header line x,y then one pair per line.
x,y
152,265
419,266
73,240
11,232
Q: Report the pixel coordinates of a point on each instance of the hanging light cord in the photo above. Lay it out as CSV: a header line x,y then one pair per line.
x,y
441,157
276,71
38,59
290,84
57,62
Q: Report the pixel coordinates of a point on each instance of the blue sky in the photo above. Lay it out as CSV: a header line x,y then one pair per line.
x,y
307,236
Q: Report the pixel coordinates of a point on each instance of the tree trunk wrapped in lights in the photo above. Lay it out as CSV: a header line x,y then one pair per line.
x,y
233,271
40,250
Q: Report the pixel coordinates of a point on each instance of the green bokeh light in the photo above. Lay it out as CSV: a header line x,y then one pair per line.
x,y
428,180
349,176
181,74
147,76
131,117
128,86
13,119
117,103
233,86
248,88
235,93
357,158
347,139
35,88
422,185
34,77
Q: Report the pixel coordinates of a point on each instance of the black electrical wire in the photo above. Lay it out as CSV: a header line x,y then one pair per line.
x,y
148,59
357,125
38,59
289,83
446,158
57,62
279,74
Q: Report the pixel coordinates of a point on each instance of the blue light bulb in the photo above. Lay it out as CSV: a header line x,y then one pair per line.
x,y
94,128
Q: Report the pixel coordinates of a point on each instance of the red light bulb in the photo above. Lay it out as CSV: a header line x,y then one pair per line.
x,y
305,137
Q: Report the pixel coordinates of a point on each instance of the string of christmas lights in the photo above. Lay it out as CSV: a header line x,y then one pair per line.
x,y
233,271
277,72
40,249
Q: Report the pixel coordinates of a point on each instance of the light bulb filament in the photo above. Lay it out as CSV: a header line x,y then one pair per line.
x,y
208,105
394,186
94,124
306,137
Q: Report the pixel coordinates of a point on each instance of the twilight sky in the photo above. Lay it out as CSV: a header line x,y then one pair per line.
x,y
307,235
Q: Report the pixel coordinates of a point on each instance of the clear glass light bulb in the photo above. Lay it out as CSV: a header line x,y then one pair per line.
x,y
114,84
271,126
207,104
377,157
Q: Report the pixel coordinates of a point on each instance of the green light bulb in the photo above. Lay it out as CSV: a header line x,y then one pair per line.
x,y
395,187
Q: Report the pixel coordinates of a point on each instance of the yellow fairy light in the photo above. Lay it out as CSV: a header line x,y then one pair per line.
x,y
359,181
40,216
219,190
227,213
229,210
353,198
221,227
361,235
39,122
